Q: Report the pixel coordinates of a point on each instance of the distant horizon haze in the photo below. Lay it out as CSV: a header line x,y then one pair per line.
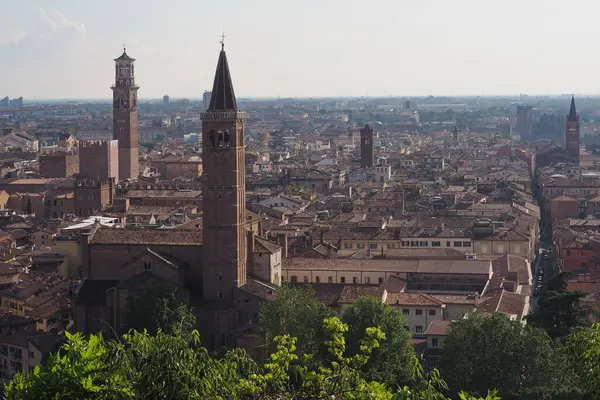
x,y
62,49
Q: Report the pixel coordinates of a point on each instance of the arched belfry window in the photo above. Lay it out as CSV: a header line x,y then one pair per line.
x,y
226,138
211,136
220,138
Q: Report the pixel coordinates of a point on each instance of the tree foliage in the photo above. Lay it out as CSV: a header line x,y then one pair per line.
x,y
394,361
521,361
142,366
296,312
157,307
559,309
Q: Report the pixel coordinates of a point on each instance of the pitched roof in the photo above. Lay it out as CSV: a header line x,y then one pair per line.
x,y
264,246
147,236
438,328
223,96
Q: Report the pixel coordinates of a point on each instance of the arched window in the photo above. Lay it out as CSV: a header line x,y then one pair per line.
x,y
211,136
226,138
220,139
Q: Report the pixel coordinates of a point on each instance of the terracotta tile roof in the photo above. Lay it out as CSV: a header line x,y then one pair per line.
x,y
147,236
438,328
456,299
404,298
351,293
262,245
412,265
263,290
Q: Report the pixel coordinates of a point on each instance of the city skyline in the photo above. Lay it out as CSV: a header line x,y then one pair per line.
x,y
59,49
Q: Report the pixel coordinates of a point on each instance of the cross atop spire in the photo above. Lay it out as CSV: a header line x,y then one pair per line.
x,y
223,96
573,111
222,41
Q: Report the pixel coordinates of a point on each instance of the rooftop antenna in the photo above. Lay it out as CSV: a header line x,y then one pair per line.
x,y
124,49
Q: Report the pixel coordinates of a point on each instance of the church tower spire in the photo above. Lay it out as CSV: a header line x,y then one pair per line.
x,y
224,206
572,137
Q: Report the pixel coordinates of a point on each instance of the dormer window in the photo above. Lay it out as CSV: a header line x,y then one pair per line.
x,y
147,265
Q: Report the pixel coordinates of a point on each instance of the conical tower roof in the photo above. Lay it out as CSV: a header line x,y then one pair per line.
x,y
223,96
573,111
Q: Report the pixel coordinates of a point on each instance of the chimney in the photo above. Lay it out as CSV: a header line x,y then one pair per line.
x,y
250,255
284,245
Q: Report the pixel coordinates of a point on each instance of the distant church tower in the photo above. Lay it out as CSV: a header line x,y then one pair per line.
x,y
367,149
224,207
455,134
125,116
572,132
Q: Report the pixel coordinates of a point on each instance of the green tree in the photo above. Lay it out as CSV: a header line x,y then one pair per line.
x,y
296,312
582,348
521,361
394,361
143,366
158,307
559,309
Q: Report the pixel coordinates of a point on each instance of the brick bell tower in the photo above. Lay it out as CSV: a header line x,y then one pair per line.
x,y
367,149
224,207
125,116
572,137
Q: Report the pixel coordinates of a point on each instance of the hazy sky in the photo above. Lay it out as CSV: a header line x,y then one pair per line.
x,y
65,48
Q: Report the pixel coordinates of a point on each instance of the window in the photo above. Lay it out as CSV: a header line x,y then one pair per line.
x,y
330,279
405,243
294,279
432,312
418,311
390,246
457,244
423,243
305,279
220,295
220,277
18,353
414,243
448,243
343,279
568,253
4,349
48,202
373,245
354,279
247,300
360,245
90,196
583,265
405,311
418,329
433,362
318,279
55,203
367,280
21,305
468,244
434,342
436,244
148,266
347,245
380,280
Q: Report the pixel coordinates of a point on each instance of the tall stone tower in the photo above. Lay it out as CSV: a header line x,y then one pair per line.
x,y
455,134
367,149
224,206
125,116
572,133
